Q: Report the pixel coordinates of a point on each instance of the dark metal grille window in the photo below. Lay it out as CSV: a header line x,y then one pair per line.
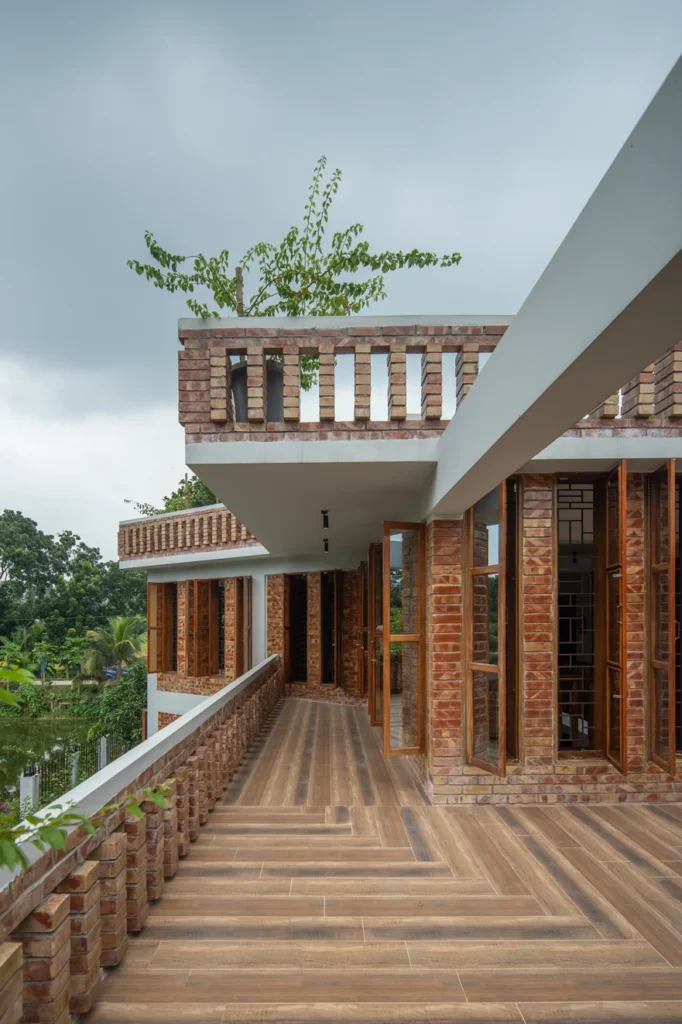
x,y
575,524
221,627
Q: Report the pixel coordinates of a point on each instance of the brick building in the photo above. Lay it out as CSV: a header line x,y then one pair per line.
x,y
520,646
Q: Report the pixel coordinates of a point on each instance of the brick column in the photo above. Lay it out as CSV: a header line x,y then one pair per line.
x,y
44,935
292,386
230,636
363,381
11,983
326,375
170,829
432,381
182,786
444,682
350,628
314,622
537,601
154,842
137,905
83,889
397,381
275,614
112,856
222,410
202,784
466,369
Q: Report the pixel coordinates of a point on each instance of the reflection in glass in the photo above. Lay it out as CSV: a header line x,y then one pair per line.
x,y
378,678
615,711
404,549
486,720
377,597
661,510
613,581
485,618
662,624
404,731
612,521
661,698
487,530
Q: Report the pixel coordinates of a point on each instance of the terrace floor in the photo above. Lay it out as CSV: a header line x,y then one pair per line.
x,y
325,888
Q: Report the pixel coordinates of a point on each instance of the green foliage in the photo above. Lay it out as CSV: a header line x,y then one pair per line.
x,y
120,707
29,699
298,277
117,644
191,493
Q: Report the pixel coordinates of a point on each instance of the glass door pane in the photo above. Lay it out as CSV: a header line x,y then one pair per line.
x,y
662,604
485,624
616,657
403,614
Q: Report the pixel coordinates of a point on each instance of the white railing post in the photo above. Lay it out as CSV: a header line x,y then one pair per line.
x,y
102,753
75,756
29,789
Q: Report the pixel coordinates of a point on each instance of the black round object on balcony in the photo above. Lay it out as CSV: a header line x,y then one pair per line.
x,y
274,391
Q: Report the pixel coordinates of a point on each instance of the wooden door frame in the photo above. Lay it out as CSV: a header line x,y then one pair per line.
x,y
389,638
470,572
666,473
363,630
374,634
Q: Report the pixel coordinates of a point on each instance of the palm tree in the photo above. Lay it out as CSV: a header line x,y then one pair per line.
x,y
116,645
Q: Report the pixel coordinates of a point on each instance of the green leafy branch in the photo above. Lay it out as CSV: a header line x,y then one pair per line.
x,y
298,277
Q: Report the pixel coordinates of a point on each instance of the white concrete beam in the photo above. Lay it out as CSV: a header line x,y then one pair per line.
x,y
609,303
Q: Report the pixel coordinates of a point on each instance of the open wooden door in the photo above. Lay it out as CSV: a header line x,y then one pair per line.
x,y
363,645
338,627
287,631
485,618
403,599
662,616
616,632
375,632
248,621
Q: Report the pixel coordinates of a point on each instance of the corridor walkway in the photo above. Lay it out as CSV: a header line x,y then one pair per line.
x,y
325,888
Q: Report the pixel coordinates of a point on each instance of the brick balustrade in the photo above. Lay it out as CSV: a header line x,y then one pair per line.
x,y
647,402
70,914
210,528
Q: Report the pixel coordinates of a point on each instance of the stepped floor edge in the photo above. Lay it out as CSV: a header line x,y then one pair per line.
x,y
325,887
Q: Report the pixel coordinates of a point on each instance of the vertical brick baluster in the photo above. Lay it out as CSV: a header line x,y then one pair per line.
x,y
638,394
44,935
432,381
193,797
397,381
608,410
170,829
326,377
255,384
182,793
466,369
83,889
210,772
668,383
154,841
137,903
202,784
363,381
292,387
112,857
11,983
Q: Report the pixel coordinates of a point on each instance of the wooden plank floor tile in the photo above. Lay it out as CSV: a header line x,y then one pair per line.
x,y
529,984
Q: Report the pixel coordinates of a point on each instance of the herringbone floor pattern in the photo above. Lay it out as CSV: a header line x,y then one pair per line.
x,y
324,888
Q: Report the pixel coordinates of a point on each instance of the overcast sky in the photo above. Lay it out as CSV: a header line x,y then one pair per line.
x,y
480,126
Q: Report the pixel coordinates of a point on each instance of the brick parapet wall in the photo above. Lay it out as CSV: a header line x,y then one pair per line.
x,y
208,528
71,912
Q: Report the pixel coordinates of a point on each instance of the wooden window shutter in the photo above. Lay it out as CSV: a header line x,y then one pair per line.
x,y
170,610
202,627
213,628
155,626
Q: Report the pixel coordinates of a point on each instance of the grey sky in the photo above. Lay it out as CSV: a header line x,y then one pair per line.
x,y
478,126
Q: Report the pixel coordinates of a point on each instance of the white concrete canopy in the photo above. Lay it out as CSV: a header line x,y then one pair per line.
x,y
608,303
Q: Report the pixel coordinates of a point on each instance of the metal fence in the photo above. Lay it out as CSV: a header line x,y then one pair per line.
x,y
52,778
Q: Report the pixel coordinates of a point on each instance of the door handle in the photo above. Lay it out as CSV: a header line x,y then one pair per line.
x,y
616,696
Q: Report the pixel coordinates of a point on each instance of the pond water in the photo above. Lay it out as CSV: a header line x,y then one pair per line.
x,y
27,740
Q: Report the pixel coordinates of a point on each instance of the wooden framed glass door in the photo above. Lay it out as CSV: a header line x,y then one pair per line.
x,y
615,607
403,593
485,618
662,616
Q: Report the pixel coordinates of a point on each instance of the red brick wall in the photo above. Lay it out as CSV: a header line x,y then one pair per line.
x,y
230,637
350,629
635,581
165,718
275,614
